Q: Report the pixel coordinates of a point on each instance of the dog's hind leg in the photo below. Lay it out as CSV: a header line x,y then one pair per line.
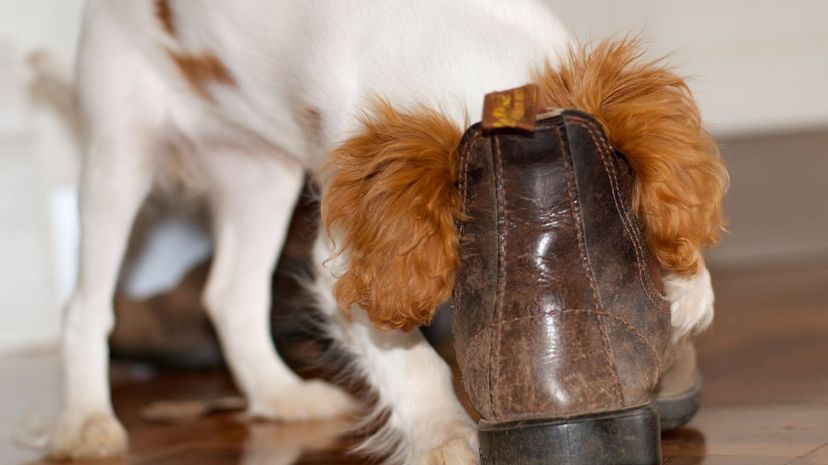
x,y
115,180
252,196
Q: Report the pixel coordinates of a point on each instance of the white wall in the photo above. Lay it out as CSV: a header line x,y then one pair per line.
x,y
24,26
37,162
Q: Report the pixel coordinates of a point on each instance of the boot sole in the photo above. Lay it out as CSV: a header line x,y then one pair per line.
x,y
624,437
678,410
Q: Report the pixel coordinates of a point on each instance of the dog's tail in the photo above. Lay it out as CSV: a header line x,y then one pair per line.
x,y
52,84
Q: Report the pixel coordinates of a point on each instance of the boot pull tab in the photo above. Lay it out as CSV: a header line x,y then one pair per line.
x,y
514,108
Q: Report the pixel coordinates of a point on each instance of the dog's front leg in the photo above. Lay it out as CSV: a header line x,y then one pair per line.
x,y
116,179
252,196
427,424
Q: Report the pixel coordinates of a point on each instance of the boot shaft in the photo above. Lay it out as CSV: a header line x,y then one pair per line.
x,y
559,309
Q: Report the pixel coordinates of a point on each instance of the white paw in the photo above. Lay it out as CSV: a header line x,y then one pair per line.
x,y
691,302
457,446
89,437
306,401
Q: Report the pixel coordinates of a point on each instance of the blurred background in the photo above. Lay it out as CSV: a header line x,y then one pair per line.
x,y
759,69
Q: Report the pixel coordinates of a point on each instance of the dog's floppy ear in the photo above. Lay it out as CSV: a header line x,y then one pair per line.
x,y
650,116
389,202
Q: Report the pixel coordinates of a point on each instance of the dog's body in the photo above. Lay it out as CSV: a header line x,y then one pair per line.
x,y
241,99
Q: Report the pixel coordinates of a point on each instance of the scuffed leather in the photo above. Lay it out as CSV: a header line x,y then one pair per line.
x,y
559,308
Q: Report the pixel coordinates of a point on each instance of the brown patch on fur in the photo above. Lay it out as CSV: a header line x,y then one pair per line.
x,y
313,120
164,14
650,116
390,203
202,70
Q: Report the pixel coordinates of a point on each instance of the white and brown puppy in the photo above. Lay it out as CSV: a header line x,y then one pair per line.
x,y
370,97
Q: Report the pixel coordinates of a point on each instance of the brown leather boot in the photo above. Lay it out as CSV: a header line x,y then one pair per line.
x,y
679,392
560,321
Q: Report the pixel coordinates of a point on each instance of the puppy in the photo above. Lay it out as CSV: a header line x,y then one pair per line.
x,y
242,99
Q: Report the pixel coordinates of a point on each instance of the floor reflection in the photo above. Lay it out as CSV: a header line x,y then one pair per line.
x,y
274,444
236,441
684,441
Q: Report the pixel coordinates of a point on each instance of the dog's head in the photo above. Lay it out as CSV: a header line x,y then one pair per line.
x,y
391,203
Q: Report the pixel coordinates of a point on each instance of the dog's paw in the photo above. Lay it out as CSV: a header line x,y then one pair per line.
x,y
90,437
308,400
691,302
457,446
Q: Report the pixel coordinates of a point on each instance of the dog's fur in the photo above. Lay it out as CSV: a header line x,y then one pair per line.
x,y
392,199
371,98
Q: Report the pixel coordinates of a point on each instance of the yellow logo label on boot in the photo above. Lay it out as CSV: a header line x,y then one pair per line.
x,y
514,108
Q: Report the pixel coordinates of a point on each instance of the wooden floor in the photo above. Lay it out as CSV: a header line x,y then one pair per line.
x,y
765,364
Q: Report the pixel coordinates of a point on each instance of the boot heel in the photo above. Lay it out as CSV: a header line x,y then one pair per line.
x,y
625,437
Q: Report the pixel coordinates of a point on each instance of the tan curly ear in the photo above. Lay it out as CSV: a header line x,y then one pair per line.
x,y
390,203
650,116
